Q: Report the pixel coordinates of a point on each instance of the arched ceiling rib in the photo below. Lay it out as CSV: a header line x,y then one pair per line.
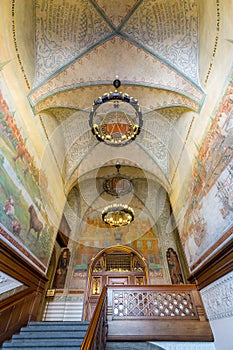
x,y
81,45
167,29
86,43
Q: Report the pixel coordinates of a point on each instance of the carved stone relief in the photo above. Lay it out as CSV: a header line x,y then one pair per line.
x,y
218,298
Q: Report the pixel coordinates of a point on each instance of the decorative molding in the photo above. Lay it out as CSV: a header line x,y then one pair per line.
x,y
20,307
183,148
15,43
217,245
216,41
216,266
218,298
10,241
18,267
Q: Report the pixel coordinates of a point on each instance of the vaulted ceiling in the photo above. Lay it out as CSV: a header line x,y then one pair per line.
x,y
75,49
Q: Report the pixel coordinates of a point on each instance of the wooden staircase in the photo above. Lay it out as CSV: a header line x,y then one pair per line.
x,y
159,317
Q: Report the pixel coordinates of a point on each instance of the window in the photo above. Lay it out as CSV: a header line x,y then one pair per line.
x,y
84,259
151,259
149,245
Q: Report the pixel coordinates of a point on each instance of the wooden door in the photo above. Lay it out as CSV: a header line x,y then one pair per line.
x,y
118,280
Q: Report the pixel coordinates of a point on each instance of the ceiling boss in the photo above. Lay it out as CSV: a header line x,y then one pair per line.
x,y
116,118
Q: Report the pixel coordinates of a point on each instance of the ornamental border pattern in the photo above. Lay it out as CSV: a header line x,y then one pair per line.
x,y
218,298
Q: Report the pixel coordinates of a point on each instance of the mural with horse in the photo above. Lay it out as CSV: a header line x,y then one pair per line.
x,y
21,211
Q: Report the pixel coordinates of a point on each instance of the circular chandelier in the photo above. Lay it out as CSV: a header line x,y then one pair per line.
x,y
116,118
118,215
117,185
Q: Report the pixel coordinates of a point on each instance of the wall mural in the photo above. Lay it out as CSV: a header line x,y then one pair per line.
x,y
210,193
21,210
147,245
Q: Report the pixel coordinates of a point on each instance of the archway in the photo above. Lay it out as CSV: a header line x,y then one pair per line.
x,y
116,265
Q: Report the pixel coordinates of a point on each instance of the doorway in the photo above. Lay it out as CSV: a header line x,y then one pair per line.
x,y
117,265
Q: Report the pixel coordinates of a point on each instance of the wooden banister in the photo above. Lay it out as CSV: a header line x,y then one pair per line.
x,y
148,301
148,313
95,337
156,312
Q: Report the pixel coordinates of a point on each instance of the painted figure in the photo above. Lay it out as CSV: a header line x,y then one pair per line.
x,y
174,267
62,268
35,223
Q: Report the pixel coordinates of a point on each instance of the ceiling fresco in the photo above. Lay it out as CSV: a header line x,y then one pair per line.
x,y
68,30
62,56
80,48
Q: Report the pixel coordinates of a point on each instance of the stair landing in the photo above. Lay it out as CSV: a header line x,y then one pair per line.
x,y
160,346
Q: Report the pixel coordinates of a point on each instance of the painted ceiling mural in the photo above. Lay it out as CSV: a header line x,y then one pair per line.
x,y
153,47
66,30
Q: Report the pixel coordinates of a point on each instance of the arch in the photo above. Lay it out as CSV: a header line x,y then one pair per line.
x,y
120,248
134,270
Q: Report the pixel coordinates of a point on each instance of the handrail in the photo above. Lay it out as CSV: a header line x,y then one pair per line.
x,y
155,301
98,325
156,313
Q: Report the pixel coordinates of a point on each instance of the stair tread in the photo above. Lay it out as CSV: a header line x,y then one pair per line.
x,y
45,342
59,322
52,329
50,335
52,347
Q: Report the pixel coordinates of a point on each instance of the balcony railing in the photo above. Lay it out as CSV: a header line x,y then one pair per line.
x,y
143,313
154,302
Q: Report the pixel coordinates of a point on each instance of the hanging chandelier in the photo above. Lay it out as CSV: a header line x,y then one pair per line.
x,y
117,185
117,215
116,118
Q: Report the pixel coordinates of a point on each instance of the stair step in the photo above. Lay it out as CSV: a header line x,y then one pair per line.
x,y
58,323
38,347
56,327
42,347
49,335
58,317
77,334
47,343
63,311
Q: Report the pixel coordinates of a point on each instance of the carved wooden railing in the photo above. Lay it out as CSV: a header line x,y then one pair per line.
x,y
154,302
168,312
95,338
144,313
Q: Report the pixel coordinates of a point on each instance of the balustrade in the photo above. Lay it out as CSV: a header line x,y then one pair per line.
x,y
146,302
164,312
143,313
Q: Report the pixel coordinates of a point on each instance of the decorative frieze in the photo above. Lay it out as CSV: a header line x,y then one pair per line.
x,y
218,298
